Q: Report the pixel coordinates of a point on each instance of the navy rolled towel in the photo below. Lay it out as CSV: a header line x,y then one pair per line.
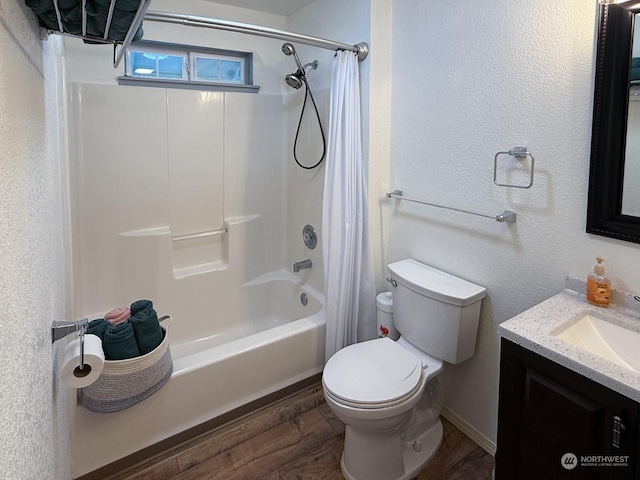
x,y
140,305
120,342
147,329
98,327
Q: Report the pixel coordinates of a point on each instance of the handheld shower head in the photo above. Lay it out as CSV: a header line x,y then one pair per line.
x,y
288,49
296,79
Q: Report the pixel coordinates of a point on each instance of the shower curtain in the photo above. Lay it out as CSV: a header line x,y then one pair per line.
x,y
348,264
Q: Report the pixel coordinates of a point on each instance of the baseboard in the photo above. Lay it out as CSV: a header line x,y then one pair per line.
x,y
478,438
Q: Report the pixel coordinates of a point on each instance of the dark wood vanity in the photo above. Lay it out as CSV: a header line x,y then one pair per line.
x,y
547,411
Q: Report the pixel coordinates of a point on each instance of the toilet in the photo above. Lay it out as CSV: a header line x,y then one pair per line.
x,y
387,393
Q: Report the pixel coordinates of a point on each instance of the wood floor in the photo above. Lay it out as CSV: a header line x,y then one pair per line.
x,y
296,438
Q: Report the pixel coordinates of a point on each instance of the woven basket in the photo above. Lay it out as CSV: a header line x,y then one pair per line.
x,y
123,383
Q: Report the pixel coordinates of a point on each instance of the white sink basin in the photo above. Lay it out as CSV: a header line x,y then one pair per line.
x,y
602,338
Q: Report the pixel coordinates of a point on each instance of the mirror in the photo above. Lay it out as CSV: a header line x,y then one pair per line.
x,y
630,190
614,175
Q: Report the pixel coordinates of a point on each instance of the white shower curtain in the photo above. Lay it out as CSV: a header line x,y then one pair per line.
x,y
348,265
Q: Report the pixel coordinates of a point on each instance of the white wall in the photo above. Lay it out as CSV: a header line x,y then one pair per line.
x,y
471,79
34,432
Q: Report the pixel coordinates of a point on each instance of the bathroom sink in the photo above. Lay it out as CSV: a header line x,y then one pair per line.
x,y
602,338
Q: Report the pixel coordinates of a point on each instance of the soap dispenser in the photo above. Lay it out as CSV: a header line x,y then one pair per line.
x,y
598,286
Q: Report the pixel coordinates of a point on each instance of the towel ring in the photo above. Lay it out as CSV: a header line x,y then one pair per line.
x,y
520,153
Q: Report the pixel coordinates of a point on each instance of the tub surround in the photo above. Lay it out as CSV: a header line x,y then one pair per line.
x,y
534,329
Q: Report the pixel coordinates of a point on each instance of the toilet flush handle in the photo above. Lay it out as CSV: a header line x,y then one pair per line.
x,y
391,281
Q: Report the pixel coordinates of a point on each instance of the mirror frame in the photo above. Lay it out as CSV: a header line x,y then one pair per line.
x,y
609,130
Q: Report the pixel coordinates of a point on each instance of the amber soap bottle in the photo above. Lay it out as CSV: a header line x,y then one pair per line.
x,y
598,286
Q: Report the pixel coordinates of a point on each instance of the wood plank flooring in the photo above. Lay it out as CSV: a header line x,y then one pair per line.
x,y
295,438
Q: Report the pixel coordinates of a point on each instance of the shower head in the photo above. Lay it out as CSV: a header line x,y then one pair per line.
x,y
297,79
294,79
288,49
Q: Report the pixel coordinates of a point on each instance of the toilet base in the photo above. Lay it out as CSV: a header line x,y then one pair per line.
x,y
398,461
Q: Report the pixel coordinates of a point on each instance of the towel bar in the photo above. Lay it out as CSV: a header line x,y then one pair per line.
x,y
507,216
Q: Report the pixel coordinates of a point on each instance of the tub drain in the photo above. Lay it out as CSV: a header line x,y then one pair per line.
x,y
304,299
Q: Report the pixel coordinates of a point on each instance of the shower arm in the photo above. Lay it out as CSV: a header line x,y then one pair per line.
x,y
313,65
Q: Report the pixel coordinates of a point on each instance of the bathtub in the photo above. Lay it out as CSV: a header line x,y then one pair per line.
x,y
280,343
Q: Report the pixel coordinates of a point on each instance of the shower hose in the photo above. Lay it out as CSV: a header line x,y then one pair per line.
x,y
308,93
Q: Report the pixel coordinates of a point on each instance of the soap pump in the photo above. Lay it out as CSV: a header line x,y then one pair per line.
x,y
598,286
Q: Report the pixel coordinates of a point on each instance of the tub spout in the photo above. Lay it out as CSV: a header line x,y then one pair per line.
x,y
302,264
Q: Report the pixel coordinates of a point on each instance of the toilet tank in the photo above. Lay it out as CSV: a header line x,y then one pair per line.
x,y
435,311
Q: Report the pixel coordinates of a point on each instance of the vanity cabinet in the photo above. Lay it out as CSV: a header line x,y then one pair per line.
x,y
547,411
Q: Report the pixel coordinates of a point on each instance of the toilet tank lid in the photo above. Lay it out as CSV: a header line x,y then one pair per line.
x,y
435,283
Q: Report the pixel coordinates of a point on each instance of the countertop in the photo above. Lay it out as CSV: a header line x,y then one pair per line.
x,y
533,330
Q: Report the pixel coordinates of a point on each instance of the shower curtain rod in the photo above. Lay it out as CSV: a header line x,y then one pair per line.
x,y
362,49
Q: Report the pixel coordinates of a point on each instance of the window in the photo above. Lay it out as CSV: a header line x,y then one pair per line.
x,y
217,68
184,66
151,64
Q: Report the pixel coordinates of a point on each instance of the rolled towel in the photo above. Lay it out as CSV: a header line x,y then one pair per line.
x,y
140,305
120,342
98,327
147,329
118,315
128,5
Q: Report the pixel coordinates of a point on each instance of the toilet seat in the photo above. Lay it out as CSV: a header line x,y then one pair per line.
x,y
373,374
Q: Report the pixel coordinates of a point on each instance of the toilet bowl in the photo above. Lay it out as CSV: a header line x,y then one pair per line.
x,y
387,393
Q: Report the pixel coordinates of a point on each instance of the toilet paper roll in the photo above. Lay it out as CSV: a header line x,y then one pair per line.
x,y
71,374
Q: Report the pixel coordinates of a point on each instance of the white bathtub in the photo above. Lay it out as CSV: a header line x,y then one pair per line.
x,y
281,342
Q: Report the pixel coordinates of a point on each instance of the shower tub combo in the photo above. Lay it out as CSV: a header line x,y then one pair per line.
x,y
213,250
282,345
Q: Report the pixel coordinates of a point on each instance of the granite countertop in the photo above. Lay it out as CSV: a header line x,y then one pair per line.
x,y
534,328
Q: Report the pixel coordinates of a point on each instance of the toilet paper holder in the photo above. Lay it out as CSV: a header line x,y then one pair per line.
x,y
60,329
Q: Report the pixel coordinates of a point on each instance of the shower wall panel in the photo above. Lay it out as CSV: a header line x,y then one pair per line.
x,y
151,166
195,134
255,177
119,166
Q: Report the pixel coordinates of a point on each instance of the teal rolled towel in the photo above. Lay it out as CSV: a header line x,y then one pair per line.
x,y
128,5
147,329
120,342
98,327
140,305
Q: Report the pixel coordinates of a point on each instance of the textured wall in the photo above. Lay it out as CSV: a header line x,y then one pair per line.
x,y
33,431
471,79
